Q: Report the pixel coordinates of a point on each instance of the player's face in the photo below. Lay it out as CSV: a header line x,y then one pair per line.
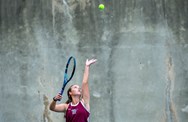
x,y
76,90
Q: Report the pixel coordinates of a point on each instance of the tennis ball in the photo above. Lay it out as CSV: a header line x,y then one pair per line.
x,y
101,6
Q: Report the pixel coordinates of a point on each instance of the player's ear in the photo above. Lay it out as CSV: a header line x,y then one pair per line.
x,y
70,93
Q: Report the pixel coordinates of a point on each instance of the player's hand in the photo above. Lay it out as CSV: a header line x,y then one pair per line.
x,y
58,97
89,62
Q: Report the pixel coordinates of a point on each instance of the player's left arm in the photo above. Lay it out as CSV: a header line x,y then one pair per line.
x,y
85,84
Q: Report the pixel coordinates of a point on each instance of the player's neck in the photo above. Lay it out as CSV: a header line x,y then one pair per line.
x,y
75,100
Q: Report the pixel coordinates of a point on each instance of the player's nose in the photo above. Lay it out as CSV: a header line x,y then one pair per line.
x,y
80,89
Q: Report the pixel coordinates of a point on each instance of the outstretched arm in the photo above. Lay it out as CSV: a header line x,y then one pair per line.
x,y
85,86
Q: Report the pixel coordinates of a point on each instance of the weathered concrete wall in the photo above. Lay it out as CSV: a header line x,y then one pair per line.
x,y
142,51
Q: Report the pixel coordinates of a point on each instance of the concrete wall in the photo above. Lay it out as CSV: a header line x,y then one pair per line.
x,y
142,51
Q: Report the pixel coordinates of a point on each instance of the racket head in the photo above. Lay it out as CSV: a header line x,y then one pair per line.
x,y
70,69
69,72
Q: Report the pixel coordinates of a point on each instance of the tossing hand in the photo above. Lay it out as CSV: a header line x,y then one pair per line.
x,y
89,62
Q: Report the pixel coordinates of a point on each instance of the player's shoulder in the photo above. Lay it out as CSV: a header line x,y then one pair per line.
x,y
85,105
65,106
82,100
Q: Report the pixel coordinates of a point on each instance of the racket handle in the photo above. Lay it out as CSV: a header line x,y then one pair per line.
x,y
60,94
62,90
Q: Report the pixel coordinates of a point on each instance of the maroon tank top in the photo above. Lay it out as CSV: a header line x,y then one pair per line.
x,y
77,113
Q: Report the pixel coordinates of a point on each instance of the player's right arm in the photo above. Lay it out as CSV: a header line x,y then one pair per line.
x,y
58,107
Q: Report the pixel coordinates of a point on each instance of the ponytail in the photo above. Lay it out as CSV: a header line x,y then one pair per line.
x,y
69,97
69,100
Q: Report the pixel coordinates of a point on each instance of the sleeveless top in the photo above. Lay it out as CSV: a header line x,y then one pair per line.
x,y
77,113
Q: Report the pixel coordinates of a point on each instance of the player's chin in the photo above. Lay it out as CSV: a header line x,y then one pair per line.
x,y
79,93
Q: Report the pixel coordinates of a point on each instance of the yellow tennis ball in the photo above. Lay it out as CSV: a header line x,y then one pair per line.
x,y
101,6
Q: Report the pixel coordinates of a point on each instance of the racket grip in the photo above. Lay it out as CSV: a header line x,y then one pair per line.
x,y
60,94
62,90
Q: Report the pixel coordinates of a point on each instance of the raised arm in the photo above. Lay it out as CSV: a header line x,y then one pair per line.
x,y
85,85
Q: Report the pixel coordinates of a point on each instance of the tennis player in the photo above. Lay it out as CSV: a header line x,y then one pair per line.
x,y
77,108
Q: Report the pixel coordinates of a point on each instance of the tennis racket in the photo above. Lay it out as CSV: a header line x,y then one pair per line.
x,y
69,72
